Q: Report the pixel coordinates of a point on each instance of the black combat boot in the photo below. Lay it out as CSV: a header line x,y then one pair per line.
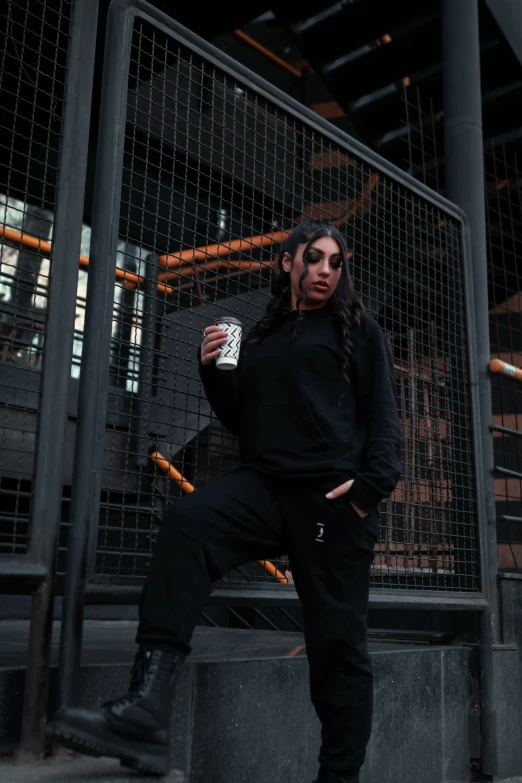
x,y
332,777
135,728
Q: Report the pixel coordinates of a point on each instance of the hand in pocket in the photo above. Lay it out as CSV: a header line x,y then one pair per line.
x,y
342,489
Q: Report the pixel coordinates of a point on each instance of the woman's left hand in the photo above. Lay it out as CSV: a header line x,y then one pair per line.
x,y
342,490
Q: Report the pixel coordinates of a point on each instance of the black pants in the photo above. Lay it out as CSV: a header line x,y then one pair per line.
x,y
245,517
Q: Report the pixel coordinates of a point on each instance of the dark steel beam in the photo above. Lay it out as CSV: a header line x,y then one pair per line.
x,y
508,16
94,374
464,166
45,523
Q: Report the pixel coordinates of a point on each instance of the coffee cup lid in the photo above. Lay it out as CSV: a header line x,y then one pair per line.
x,y
228,319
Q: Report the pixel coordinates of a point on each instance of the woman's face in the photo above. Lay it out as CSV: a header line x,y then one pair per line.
x,y
325,263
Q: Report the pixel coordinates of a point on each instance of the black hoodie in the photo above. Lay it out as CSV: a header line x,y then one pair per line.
x,y
297,418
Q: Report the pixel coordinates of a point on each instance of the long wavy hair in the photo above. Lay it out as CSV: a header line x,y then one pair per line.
x,y
346,305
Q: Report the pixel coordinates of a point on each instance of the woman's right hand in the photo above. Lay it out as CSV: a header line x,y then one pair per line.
x,y
215,338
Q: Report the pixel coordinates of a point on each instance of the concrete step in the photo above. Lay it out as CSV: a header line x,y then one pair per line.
x,y
68,768
242,712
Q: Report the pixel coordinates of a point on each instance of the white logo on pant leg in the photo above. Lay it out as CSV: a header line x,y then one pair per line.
x,y
320,534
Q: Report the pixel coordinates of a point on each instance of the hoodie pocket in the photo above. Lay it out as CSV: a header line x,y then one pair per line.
x,y
281,430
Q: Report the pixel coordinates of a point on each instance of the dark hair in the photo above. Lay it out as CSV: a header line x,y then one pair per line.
x,y
347,306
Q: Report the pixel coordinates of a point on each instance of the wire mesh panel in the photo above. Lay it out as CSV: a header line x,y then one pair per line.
x,y
504,234
215,174
423,159
421,138
34,39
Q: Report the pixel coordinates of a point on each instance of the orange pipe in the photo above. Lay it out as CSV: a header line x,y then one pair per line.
x,y
121,274
187,487
174,474
188,270
272,570
271,56
505,183
45,248
217,250
26,239
503,368
222,249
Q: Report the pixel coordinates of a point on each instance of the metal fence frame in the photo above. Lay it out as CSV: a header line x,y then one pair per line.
x,y
92,406
34,572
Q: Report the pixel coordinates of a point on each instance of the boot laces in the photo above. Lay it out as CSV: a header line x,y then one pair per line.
x,y
140,672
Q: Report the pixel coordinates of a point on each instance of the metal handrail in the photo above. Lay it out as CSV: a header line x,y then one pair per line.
x,y
187,487
174,474
222,249
186,258
506,430
268,53
499,367
516,474
187,270
44,248
131,279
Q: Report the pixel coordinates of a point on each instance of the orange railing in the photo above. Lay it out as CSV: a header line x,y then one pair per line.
x,y
184,264
131,280
187,487
44,248
184,260
268,53
187,270
499,367
181,264
174,474
222,249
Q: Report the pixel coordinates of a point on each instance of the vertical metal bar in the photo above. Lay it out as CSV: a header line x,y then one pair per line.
x,y
45,523
464,160
94,377
437,495
429,485
409,517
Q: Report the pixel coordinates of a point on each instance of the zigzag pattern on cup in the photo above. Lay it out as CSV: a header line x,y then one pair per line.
x,y
234,344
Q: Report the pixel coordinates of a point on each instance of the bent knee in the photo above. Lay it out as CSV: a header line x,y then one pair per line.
x,y
189,518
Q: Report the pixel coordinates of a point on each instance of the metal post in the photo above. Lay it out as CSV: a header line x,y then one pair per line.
x,y
45,523
94,374
464,160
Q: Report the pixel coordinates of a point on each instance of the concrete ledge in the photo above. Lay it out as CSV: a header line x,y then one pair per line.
x,y
242,712
68,768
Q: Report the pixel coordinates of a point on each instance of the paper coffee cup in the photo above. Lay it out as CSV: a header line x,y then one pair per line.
x,y
229,356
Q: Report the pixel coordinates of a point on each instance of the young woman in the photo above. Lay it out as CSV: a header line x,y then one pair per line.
x,y
313,403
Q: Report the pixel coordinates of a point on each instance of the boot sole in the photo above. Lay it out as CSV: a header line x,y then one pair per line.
x,y
150,759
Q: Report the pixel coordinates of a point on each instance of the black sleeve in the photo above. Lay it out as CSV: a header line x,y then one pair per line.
x,y
377,394
222,390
